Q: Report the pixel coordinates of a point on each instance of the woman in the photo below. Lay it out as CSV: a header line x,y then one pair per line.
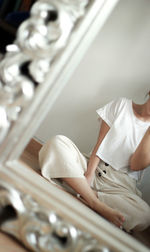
x,y
107,182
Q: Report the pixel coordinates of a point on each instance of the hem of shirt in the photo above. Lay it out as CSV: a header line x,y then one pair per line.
x,y
105,160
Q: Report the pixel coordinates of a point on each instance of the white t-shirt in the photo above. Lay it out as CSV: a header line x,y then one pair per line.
x,y
125,134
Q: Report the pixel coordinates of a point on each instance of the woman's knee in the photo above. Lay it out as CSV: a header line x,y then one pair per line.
x,y
57,139
51,146
58,142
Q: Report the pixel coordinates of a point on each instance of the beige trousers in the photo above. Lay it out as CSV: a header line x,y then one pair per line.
x,y
60,158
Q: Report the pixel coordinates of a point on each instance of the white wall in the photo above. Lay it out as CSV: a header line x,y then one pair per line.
x,y
117,64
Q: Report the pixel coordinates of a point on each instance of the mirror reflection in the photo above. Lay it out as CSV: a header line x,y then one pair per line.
x,y
114,76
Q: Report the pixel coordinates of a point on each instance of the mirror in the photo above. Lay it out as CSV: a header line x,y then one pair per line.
x,y
34,71
127,78
75,117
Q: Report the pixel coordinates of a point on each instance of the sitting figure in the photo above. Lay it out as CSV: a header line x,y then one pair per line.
x,y
107,180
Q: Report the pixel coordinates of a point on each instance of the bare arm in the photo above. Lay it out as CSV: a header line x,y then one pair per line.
x,y
141,157
94,160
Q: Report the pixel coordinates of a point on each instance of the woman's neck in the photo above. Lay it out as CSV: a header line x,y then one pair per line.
x,y
142,111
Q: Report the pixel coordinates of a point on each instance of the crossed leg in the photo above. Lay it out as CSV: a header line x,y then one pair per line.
x,y
81,186
72,162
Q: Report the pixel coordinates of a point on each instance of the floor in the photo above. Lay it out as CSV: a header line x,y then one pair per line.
x,y
8,244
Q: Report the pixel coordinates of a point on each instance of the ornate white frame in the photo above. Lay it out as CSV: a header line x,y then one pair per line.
x,y
48,47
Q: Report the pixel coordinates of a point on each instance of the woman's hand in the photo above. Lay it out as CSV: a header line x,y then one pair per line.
x,y
115,217
89,177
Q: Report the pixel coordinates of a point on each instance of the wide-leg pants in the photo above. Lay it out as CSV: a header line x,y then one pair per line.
x,y
60,158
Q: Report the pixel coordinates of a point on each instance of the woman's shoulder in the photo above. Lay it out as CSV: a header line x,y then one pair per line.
x,y
123,100
120,102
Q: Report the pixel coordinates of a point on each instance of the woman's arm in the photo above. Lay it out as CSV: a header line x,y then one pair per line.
x,y
141,157
94,160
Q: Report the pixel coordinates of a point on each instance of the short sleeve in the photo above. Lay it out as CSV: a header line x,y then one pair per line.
x,y
109,112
